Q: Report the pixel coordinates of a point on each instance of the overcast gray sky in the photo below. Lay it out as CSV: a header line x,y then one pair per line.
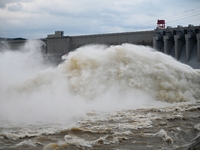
x,y
37,18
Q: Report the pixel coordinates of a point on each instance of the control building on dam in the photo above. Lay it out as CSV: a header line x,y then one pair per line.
x,y
182,43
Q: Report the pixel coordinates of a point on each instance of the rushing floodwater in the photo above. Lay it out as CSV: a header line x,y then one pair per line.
x,y
119,97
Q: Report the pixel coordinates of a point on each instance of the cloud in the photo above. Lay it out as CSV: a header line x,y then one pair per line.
x,y
14,6
4,2
41,17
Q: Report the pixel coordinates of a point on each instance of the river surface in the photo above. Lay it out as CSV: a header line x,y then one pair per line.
x,y
123,97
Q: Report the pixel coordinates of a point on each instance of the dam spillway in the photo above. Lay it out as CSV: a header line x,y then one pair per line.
x,y
182,43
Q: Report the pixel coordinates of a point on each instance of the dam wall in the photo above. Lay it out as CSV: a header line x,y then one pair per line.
x,y
58,44
139,38
11,44
182,43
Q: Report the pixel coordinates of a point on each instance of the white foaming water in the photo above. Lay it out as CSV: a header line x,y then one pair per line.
x,y
93,77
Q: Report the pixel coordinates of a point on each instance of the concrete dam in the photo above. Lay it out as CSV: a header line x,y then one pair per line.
x,y
182,43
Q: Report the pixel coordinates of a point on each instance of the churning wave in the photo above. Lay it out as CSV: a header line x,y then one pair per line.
x,y
92,77
94,70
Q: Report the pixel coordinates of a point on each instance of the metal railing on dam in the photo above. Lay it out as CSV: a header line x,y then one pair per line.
x,y
182,43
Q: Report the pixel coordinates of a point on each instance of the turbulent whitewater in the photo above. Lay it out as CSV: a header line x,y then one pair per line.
x,y
100,97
